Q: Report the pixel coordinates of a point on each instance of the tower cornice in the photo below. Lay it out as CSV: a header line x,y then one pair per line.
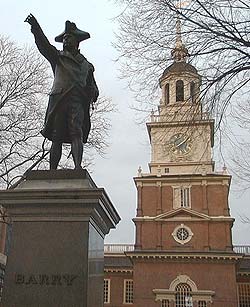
x,y
170,179
195,256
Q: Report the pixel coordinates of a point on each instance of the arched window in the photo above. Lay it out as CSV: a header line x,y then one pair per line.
x,y
192,91
184,287
183,296
167,93
179,90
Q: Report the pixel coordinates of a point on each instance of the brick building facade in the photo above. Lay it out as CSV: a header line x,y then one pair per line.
x,y
183,254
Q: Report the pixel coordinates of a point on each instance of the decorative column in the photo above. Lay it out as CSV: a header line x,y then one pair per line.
x,y
139,199
159,198
138,244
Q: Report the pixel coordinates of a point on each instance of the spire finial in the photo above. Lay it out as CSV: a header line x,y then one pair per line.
x,y
180,52
178,31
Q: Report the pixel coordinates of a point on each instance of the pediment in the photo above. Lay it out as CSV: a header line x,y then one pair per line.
x,y
182,213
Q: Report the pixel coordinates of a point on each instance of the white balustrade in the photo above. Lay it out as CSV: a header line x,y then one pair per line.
x,y
118,248
242,249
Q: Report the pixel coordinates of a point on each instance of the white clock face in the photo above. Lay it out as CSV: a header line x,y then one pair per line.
x,y
180,144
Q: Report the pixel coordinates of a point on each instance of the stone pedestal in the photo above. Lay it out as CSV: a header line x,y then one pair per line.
x,y
59,222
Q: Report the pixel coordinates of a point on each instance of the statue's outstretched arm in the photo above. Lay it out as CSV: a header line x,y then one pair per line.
x,y
43,44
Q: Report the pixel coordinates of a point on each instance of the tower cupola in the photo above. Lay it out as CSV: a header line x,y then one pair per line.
x,y
180,82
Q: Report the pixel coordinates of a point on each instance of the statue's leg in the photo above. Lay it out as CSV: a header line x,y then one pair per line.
x,y
55,154
77,151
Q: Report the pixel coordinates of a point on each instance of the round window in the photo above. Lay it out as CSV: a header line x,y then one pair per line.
x,y
182,234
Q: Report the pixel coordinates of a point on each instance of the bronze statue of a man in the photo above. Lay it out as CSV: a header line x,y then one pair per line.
x,y
74,88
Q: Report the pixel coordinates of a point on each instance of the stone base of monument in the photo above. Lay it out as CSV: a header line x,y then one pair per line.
x,y
59,220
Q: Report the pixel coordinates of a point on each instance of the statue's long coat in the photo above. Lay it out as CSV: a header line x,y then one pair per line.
x,y
69,72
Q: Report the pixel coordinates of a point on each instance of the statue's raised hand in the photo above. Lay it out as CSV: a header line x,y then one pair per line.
x,y
31,20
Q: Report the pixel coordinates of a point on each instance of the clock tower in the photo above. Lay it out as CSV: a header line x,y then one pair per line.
x,y
183,251
181,134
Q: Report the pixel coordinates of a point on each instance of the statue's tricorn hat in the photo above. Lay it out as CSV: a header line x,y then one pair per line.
x,y
70,28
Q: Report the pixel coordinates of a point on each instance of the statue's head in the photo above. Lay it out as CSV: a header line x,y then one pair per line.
x,y
71,36
70,42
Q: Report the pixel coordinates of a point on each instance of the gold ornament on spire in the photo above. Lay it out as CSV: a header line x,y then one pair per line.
x,y
180,3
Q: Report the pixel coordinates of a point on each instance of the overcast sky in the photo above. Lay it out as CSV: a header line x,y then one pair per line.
x,y
129,147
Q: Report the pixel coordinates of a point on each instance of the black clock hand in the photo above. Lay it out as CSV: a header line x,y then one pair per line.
x,y
178,145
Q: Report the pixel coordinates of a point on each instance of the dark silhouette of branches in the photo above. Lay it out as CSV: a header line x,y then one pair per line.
x,y
24,84
216,34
